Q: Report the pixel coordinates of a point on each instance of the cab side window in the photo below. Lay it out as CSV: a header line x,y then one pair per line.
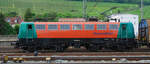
x,y
29,27
124,26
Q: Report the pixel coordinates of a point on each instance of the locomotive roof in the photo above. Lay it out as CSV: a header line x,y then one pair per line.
x,y
75,22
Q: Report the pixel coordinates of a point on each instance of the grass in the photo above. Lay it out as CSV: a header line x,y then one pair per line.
x,y
64,6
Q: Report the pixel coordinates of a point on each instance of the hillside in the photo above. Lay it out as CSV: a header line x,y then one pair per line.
x,y
72,8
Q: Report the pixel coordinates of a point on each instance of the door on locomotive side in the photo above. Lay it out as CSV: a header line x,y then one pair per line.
x,y
27,31
30,31
123,30
126,31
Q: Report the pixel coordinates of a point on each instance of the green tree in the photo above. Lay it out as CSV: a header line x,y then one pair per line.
x,y
50,16
101,17
17,28
28,15
12,14
5,28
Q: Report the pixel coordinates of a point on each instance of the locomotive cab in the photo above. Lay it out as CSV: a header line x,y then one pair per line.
x,y
27,30
126,31
26,35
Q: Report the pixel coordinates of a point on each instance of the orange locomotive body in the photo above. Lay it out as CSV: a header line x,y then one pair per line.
x,y
77,30
91,35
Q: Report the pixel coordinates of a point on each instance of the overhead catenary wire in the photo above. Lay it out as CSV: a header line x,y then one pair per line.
x,y
142,9
85,9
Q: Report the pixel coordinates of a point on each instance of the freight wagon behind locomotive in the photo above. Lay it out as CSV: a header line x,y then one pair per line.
x,y
92,35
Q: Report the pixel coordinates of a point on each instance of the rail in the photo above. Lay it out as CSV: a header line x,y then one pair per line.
x,y
39,58
8,35
81,56
78,60
8,38
75,63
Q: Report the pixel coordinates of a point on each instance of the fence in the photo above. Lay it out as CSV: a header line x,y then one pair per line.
x,y
8,37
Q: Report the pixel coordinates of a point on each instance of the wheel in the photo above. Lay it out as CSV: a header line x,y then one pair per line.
x,y
59,49
25,48
124,48
31,49
92,48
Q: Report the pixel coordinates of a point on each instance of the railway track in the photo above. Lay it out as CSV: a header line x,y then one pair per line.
x,y
81,58
7,47
84,59
11,49
76,63
80,54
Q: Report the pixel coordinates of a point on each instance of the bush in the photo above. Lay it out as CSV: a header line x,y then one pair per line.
x,y
11,14
52,16
17,28
29,15
5,28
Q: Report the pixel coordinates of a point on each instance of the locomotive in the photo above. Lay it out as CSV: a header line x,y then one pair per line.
x,y
93,36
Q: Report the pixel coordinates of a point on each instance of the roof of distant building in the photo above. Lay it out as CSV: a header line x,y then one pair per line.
x,y
14,20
